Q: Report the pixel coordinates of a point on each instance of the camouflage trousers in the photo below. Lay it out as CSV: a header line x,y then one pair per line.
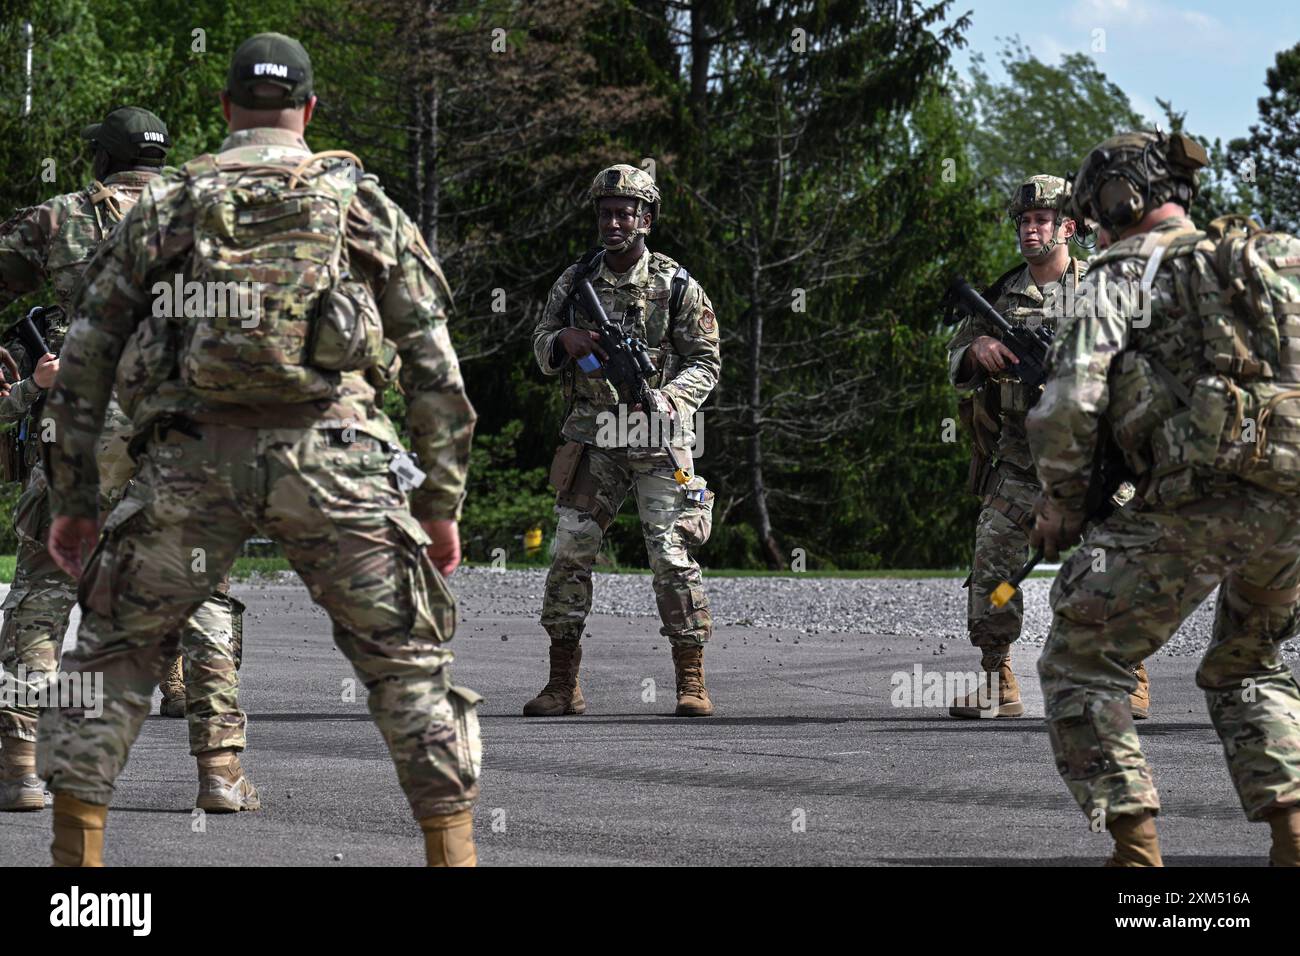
x,y
336,512
36,613
670,522
1160,561
1001,547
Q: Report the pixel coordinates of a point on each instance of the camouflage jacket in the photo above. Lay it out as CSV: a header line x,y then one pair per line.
x,y
155,242
1088,349
1021,302
686,351
54,242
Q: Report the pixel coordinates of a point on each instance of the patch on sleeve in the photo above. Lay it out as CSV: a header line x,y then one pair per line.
x,y
707,321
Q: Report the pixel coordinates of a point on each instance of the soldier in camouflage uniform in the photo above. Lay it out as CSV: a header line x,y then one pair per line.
x,y
1032,294
263,415
650,296
1186,348
54,242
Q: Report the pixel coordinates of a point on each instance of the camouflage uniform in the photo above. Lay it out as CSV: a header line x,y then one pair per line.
x,y
55,241
1198,524
312,475
1010,485
685,351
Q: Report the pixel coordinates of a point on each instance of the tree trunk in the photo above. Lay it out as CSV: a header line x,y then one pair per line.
x,y
763,522
700,52
430,193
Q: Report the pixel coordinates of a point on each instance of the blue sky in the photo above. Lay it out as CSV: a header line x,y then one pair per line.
x,y
1208,58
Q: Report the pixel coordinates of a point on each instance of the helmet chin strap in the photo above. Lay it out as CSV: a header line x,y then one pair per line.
x,y
627,243
1048,246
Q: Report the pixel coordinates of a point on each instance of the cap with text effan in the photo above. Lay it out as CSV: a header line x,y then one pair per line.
x,y
275,59
131,134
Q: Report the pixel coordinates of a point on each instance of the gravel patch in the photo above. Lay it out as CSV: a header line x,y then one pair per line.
x,y
902,607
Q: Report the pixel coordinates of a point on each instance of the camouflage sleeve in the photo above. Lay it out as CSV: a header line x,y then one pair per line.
x,y
22,396
1062,427
695,338
439,415
552,323
109,302
967,331
24,245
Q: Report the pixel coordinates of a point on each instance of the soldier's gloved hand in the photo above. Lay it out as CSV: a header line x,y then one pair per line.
x,y
46,370
70,540
661,405
1055,529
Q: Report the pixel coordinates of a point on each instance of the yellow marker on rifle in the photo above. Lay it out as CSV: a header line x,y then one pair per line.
x,y
1004,592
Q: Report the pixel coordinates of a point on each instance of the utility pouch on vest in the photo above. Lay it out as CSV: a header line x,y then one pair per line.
x,y
1191,437
348,334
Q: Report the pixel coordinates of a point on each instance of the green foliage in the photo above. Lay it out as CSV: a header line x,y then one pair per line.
x,y
1268,160
504,499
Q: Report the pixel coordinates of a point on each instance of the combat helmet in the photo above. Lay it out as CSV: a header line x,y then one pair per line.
x,y
1128,175
632,183
1042,192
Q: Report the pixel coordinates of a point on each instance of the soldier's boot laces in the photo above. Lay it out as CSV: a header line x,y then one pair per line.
x,y
1140,699
997,696
20,788
561,695
1136,843
173,690
1286,837
449,839
692,695
223,786
78,832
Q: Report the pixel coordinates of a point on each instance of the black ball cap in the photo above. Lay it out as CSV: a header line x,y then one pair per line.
x,y
131,133
270,58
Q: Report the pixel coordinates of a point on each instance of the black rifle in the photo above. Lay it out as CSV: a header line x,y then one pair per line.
x,y
1109,472
32,328
1028,345
628,367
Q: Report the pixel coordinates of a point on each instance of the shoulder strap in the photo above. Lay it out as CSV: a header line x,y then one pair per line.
x,y
994,291
681,280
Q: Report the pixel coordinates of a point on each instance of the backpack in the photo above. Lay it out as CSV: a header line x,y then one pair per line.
x,y
1241,414
1252,337
281,315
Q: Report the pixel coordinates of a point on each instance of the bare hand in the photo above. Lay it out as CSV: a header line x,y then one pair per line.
x,y
12,373
992,355
444,552
46,370
71,539
580,342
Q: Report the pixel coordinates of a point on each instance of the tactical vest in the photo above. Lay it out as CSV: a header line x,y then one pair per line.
x,y
1220,389
280,314
1014,396
92,215
649,311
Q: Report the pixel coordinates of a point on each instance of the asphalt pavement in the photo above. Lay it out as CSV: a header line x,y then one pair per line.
x,y
807,761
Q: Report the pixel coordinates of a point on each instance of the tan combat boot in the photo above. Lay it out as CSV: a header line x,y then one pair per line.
x,y
1140,699
1286,837
78,832
984,702
1135,838
223,787
173,689
20,788
449,840
692,695
561,695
